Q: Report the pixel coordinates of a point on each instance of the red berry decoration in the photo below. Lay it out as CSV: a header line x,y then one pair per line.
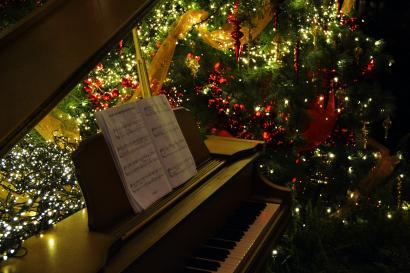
x,y
107,96
125,82
115,93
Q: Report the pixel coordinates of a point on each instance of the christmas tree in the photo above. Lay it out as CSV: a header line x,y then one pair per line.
x,y
298,74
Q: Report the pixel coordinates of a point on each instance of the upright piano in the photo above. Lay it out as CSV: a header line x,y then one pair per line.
x,y
225,219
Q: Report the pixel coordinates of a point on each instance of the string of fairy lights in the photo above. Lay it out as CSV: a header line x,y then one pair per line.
x,y
38,184
38,188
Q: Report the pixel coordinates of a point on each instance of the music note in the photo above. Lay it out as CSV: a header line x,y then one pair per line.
x,y
147,145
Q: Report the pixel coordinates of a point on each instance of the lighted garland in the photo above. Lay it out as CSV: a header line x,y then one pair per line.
x,y
38,188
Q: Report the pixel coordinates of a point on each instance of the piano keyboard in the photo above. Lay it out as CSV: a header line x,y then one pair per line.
x,y
224,252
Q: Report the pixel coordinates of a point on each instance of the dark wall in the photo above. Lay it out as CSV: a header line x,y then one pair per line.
x,y
389,20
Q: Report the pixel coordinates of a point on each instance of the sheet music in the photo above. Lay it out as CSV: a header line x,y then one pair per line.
x,y
134,154
168,139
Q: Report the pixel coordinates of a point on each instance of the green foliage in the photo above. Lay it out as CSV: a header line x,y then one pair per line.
x,y
367,242
12,11
297,4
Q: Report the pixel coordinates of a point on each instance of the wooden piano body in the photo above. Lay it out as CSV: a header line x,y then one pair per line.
x,y
109,237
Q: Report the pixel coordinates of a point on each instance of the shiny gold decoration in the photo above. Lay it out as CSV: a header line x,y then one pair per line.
x,y
384,167
58,123
193,65
399,190
358,51
348,6
387,123
159,67
141,68
220,39
276,47
365,134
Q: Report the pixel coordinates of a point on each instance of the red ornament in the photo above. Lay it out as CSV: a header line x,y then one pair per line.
x,y
120,44
98,83
99,67
275,18
107,96
296,57
115,93
87,82
322,120
352,22
88,89
371,66
126,82
266,136
236,32
221,133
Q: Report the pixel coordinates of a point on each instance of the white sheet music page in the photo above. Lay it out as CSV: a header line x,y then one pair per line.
x,y
167,136
139,166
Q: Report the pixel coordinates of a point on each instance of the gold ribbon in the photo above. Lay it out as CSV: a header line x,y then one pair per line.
x,y
220,39
348,6
57,122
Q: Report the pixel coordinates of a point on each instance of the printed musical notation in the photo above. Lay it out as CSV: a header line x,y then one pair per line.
x,y
156,109
146,180
133,146
164,130
180,167
169,140
172,148
147,145
127,130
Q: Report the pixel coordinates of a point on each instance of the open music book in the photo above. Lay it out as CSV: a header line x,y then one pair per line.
x,y
148,147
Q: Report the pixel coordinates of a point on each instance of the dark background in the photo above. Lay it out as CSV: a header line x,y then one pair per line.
x,y
389,20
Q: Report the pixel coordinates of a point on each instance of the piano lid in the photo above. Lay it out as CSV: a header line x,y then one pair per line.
x,y
47,54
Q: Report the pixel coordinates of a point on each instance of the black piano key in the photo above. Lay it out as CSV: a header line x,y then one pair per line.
x,y
203,264
245,215
217,248
229,234
220,243
249,209
256,205
192,270
212,253
239,225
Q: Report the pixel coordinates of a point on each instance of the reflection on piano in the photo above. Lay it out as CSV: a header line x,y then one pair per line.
x,y
225,219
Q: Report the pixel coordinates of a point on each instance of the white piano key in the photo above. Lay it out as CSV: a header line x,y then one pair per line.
x,y
248,240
